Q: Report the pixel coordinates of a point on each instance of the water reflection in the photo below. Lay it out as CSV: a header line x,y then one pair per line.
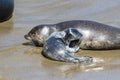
x,y
29,60
6,27
70,69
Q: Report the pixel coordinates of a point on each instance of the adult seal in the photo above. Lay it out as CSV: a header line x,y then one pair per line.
x,y
95,35
6,9
60,46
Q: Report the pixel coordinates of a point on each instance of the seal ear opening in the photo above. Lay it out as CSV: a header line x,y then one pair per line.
x,y
27,37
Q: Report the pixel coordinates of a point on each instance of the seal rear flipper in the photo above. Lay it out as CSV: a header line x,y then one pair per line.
x,y
86,59
70,58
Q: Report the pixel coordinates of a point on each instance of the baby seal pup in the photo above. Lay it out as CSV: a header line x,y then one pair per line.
x,y
61,46
95,35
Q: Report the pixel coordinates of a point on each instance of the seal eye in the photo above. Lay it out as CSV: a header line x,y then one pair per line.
x,y
73,43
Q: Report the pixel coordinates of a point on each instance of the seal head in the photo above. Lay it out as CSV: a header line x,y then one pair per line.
x,y
39,34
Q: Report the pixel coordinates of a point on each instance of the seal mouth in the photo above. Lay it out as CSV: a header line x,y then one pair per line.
x,y
74,43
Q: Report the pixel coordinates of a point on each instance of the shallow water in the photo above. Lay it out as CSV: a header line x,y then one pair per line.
x,y
25,62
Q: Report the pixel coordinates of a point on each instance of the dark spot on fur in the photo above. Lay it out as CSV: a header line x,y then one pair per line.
x,y
73,43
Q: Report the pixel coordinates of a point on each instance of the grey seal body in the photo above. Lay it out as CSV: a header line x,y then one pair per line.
x,y
61,46
95,35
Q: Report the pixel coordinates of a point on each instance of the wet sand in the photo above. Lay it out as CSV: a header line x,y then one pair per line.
x,y
25,62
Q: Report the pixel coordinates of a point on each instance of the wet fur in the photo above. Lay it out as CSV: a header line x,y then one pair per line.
x,y
55,47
